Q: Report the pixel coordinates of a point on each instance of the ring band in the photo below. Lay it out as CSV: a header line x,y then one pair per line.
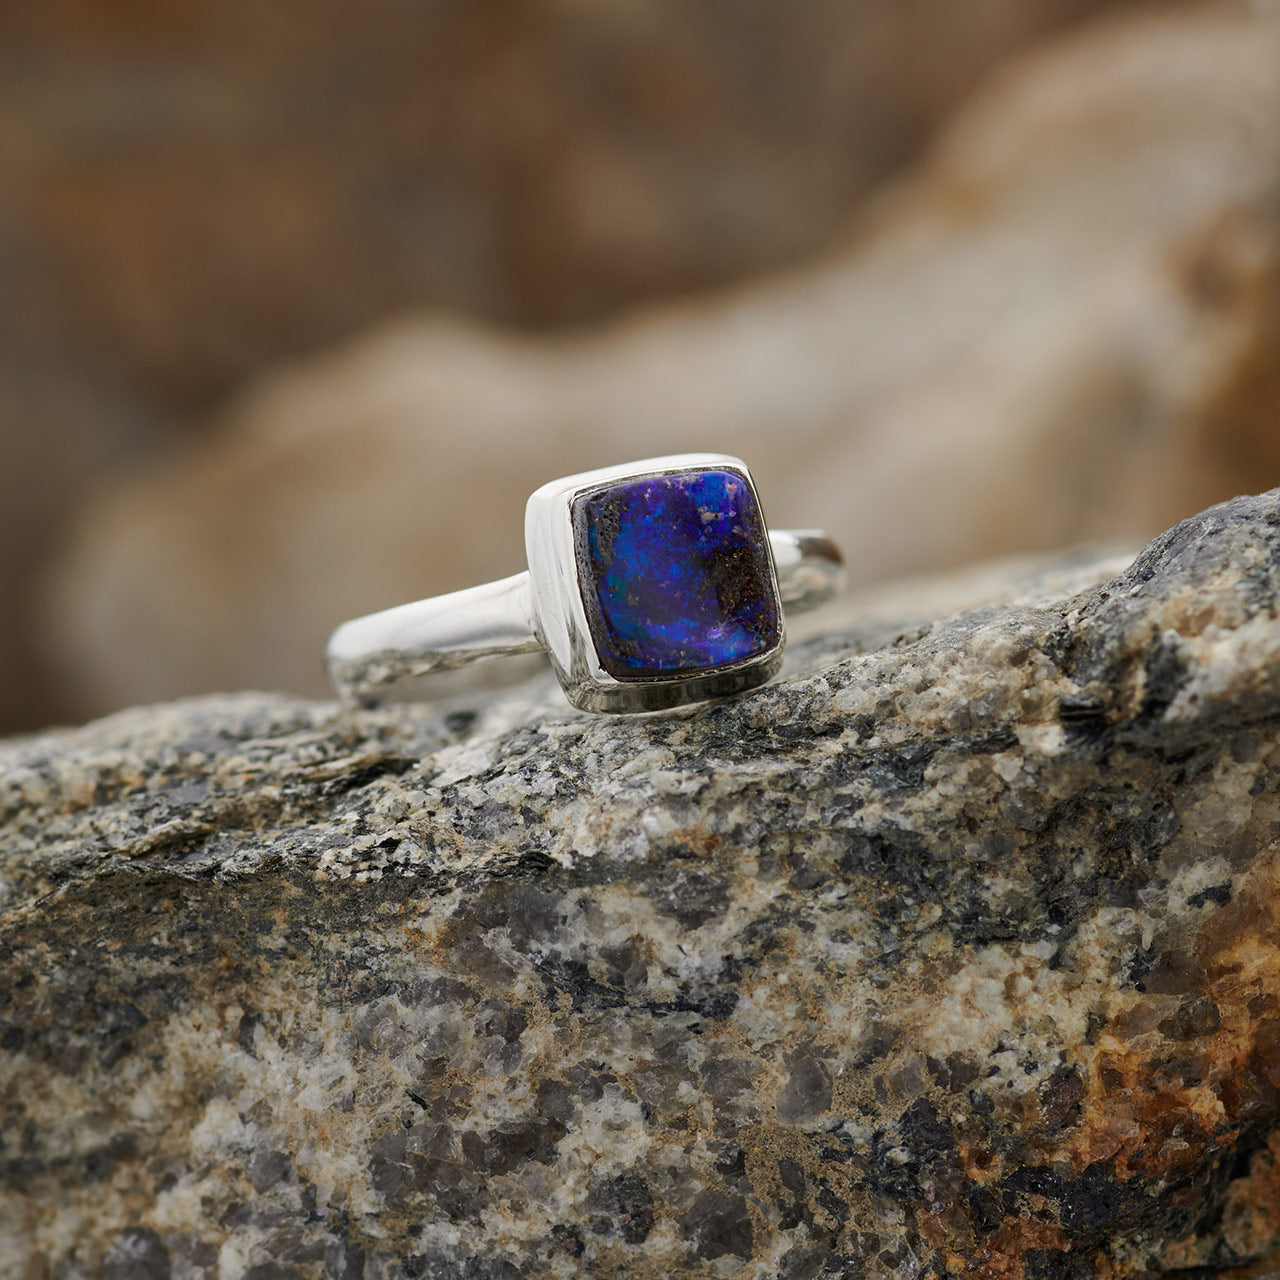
x,y
649,585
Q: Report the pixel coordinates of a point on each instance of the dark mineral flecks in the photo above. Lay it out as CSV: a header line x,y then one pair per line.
x,y
954,952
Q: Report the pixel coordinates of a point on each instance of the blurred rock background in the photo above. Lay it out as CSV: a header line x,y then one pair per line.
x,y
301,301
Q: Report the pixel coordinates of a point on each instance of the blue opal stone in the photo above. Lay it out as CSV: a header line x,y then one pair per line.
x,y
677,574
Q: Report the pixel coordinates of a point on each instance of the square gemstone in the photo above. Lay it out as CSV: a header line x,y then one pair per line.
x,y
676,574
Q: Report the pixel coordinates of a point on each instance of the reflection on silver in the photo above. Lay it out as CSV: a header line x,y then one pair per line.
x,y
542,610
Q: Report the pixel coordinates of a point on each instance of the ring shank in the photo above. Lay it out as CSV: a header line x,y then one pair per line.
x,y
497,619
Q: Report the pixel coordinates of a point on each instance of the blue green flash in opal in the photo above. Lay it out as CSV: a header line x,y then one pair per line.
x,y
679,577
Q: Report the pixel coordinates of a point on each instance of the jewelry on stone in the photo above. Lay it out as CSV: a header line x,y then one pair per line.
x,y
649,585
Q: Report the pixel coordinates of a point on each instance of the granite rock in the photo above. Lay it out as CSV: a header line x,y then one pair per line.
x,y
954,951
1063,325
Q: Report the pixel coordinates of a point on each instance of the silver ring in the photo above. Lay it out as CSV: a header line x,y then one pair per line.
x,y
649,585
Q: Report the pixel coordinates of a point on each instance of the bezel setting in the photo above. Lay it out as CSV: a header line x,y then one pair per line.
x,y
557,572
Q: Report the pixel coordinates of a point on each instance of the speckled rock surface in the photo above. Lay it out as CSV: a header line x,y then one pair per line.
x,y
954,951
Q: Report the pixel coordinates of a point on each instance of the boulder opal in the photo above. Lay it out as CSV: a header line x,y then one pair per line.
x,y
679,577
955,951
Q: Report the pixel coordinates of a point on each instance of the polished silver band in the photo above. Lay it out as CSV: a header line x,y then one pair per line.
x,y
498,618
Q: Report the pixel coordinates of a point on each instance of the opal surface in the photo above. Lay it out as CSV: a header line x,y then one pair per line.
x,y
677,575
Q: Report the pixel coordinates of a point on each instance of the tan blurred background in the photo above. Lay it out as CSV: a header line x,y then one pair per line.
x,y
301,300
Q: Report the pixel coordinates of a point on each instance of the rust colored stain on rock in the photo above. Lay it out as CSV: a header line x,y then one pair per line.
x,y
954,952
